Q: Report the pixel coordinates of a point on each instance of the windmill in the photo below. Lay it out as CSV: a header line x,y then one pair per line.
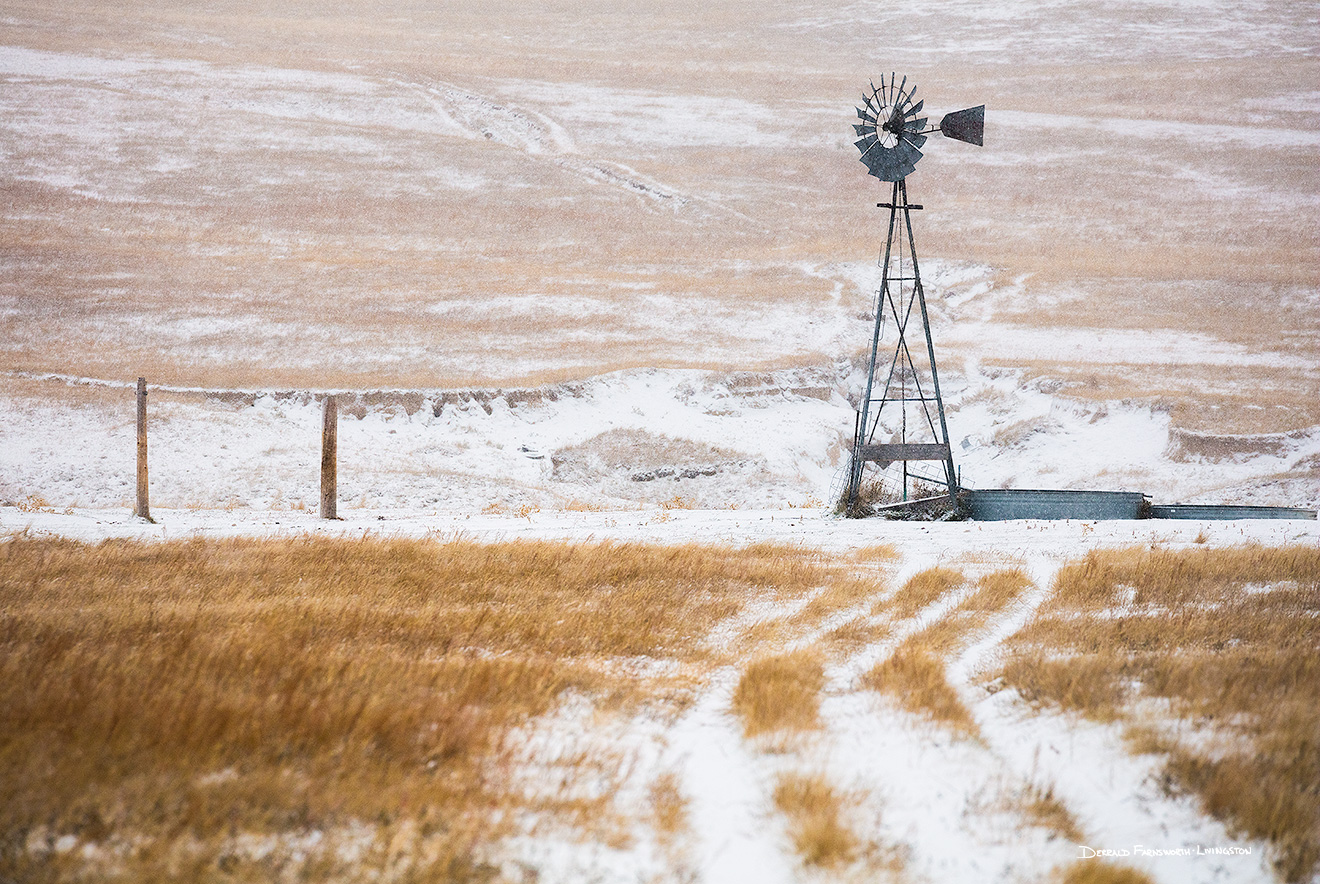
x,y
891,134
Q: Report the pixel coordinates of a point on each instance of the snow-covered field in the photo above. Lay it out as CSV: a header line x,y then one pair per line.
x,y
608,273
941,807
634,438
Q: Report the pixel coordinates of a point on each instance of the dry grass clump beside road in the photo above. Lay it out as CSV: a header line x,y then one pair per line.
x,y
815,820
996,591
1230,637
781,693
1043,808
915,672
313,708
669,807
1099,872
920,590
916,678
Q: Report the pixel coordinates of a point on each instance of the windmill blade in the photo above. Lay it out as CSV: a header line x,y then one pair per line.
x,y
863,115
873,154
871,108
908,153
864,128
915,125
881,163
895,170
888,169
865,143
965,125
893,164
910,112
906,164
916,139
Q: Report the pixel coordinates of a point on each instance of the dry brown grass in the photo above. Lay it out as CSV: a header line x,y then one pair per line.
x,y
838,595
954,631
1079,683
780,693
916,679
1094,871
854,634
1248,400
161,703
1014,434
920,590
1230,637
996,591
815,820
669,814
879,552
1043,808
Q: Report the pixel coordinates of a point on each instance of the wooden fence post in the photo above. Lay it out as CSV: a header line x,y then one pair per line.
x,y
143,508
329,457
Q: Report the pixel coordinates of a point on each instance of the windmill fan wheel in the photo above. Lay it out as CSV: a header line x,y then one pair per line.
x,y
890,134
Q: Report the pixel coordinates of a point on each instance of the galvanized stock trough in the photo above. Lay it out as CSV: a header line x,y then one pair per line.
x,y
1001,504
997,505
1205,511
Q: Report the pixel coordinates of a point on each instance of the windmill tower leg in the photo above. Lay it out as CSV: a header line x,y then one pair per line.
x,y
901,381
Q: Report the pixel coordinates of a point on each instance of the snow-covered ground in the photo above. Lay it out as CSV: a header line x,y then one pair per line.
x,y
942,806
634,438
682,456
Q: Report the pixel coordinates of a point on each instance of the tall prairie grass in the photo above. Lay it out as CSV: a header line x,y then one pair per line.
x,y
1230,638
920,590
815,820
780,693
1101,872
916,678
163,705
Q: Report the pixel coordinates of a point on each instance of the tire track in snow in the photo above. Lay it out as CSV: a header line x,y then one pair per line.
x,y
929,781
539,135
482,117
738,837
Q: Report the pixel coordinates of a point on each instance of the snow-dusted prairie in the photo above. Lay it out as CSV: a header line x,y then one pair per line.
x,y
942,807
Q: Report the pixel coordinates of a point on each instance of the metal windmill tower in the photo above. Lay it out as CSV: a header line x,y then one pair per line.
x,y
902,385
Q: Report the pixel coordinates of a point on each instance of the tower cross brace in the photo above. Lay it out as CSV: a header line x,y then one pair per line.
x,y
899,294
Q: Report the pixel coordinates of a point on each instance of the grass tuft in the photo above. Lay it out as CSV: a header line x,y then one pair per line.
x,y
1043,808
880,552
1098,872
995,591
920,590
669,813
916,679
854,634
814,810
839,594
780,693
